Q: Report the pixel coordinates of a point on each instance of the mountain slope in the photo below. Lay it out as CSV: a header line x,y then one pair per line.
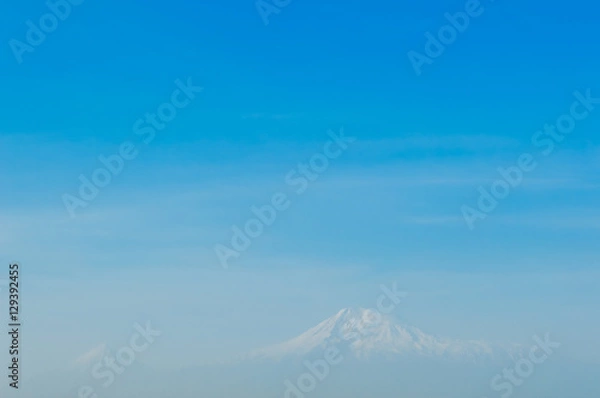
x,y
365,333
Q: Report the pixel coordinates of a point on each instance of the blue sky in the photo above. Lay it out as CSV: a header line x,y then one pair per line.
x,y
388,208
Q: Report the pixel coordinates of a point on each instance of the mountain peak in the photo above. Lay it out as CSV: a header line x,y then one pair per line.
x,y
366,332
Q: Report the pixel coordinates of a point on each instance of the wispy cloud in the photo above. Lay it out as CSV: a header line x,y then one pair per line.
x,y
554,221
423,141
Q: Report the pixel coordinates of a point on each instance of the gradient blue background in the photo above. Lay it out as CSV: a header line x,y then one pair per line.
x,y
388,209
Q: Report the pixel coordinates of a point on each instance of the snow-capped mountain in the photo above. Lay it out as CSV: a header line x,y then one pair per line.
x,y
365,333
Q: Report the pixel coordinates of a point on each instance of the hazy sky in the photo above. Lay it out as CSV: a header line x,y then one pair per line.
x,y
388,209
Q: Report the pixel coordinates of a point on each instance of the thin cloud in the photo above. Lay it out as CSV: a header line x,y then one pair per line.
x,y
420,141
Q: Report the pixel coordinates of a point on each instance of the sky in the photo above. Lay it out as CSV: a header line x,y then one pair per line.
x,y
389,208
